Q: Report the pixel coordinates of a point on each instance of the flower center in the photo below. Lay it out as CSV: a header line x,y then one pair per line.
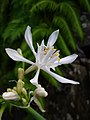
x,y
56,53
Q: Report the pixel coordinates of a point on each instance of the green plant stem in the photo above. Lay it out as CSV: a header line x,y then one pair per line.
x,y
2,110
35,114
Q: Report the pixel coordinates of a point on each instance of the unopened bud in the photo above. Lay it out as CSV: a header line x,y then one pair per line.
x,y
20,73
9,89
19,51
14,88
24,101
24,91
40,92
20,84
10,96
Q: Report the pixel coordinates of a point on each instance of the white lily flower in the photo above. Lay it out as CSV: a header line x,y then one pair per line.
x,y
46,57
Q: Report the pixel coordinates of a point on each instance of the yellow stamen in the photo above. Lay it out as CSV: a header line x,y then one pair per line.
x,y
58,58
57,54
46,48
53,48
45,52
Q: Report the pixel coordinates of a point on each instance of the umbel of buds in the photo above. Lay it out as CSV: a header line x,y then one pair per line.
x,y
18,92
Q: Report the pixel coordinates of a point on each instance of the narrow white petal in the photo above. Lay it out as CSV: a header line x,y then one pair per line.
x,y
28,38
38,53
42,43
42,46
68,59
13,54
34,81
59,78
52,39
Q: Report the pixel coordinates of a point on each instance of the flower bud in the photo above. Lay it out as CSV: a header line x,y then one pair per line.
x,y
9,89
40,92
24,91
24,101
19,51
20,73
20,84
10,95
14,88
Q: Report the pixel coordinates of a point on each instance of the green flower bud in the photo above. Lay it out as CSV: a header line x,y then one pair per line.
x,y
19,51
9,89
20,86
24,101
14,88
20,73
24,91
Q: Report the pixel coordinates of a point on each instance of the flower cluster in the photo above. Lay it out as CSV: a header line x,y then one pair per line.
x,y
46,58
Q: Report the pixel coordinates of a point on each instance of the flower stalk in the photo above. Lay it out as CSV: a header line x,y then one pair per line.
x,y
35,114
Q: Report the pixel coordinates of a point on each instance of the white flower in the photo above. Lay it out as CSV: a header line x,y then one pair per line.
x,y
46,57
10,95
37,94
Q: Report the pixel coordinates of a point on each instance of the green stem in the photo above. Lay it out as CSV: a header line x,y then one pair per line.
x,y
23,65
35,114
2,110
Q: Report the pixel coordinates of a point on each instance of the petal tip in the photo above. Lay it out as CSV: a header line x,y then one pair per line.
x,y
28,28
76,55
57,30
76,83
6,49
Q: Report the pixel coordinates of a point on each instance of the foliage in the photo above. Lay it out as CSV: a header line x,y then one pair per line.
x,y
44,16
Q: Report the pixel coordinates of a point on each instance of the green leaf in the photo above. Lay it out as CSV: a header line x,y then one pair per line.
x,y
85,4
50,79
65,31
44,4
63,46
67,10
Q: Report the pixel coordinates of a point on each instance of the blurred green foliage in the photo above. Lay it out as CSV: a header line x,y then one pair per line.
x,y
44,16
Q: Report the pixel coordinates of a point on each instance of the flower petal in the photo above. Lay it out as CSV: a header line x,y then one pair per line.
x,y
34,81
28,38
52,39
59,78
68,59
38,104
13,54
